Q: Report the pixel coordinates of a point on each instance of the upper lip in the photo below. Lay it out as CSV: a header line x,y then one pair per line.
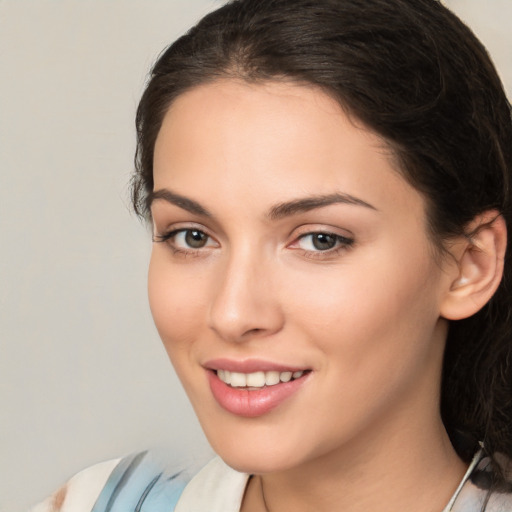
x,y
250,366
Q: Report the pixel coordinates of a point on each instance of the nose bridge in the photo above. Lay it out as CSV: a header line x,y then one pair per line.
x,y
243,303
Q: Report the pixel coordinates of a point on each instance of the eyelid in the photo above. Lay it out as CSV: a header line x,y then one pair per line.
x,y
179,226
175,232
169,234
344,242
308,229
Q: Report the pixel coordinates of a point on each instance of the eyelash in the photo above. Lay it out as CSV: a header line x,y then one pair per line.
x,y
342,243
169,237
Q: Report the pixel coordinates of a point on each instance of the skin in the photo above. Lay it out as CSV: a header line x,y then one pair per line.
x,y
365,317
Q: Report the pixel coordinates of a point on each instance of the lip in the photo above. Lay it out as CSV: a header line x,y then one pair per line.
x,y
250,366
251,403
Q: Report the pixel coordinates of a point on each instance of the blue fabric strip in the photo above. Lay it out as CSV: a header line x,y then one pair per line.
x,y
138,484
146,492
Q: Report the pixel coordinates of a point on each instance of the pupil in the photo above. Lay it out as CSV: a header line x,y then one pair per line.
x,y
323,242
195,239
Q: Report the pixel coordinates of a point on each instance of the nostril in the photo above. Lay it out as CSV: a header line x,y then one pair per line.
x,y
253,331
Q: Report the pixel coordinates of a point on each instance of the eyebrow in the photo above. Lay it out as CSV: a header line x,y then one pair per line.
x,y
178,200
276,212
311,203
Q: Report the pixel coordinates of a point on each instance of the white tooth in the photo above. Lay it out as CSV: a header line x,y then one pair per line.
x,y
256,380
227,376
285,376
296,375
221,375
271,378
238,380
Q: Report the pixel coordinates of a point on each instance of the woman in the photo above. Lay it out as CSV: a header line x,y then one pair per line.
x,y
328,185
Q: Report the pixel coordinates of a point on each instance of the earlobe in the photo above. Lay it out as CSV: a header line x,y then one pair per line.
x,y
480,259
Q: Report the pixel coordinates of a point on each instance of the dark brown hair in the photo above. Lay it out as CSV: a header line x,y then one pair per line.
x,y
415,74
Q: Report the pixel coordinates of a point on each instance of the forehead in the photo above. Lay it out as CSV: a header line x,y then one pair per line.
x,y
256,111
273,140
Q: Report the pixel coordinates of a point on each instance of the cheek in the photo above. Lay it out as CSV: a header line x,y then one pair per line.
x,y
381,310
377,337
177,305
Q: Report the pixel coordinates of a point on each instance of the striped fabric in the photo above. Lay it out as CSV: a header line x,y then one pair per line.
x,y
138,484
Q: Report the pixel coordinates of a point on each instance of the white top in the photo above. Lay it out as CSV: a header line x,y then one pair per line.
x,y
81,492
216,488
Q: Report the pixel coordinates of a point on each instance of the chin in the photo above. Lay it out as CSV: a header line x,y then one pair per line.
x,y
256,464
254,452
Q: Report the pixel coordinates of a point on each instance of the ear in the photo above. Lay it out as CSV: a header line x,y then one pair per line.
x,y
479,259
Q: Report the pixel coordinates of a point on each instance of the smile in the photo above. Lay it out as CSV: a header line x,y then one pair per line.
x,y
257,380
253,388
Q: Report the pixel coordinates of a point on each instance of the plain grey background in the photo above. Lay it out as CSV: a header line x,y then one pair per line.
x,y
83,376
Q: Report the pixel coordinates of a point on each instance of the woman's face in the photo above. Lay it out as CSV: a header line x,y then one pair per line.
x,y
292,260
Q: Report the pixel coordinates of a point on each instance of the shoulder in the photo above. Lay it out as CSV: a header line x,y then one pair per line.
x,y
216,488
477,491
500,497
142,482
81,491
139,482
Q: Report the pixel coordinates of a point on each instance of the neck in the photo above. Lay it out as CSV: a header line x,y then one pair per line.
x,y
403,461
404,465
400,478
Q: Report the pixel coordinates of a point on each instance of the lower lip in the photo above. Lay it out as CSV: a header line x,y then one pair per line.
x,y
255,402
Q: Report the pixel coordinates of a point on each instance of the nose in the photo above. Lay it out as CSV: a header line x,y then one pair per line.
x,y
244,305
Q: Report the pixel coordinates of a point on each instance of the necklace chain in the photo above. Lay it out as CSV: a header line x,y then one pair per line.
x,y
263,495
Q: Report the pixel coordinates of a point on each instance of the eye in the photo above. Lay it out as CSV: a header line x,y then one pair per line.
x,y
322,242
319,241
192,238
184,240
